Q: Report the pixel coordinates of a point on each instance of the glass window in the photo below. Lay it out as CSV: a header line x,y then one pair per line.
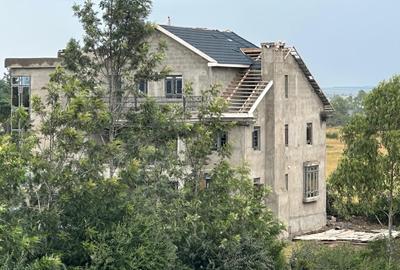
x,y
20,97
25,81
168,86
15,80
256,138
25,97
143,86
173,86
311,182
220,140
20,91
179,85
15,96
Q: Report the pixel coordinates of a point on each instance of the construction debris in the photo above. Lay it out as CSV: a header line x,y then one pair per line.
x,y
347,236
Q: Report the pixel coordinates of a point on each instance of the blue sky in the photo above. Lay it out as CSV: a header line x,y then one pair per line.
x,y
343,42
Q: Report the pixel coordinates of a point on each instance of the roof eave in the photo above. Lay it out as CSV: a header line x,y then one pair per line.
x,y
211,64
186,44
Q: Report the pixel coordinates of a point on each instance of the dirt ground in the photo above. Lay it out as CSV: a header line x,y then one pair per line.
x,y
355,223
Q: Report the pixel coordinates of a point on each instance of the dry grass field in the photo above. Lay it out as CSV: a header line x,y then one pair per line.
x,y
334,149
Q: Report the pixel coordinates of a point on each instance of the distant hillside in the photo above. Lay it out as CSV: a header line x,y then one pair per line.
x,y
345,90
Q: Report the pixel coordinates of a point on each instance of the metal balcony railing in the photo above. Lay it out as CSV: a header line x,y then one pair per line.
x,y
189,103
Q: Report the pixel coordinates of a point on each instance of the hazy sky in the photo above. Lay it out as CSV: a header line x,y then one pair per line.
x,y
343,42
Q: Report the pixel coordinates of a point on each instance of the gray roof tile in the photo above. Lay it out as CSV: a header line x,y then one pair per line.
x,y
223,46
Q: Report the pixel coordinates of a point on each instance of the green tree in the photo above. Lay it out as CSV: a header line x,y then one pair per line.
x,y
345,107
115,57
370,167
76,198
225,225
5,107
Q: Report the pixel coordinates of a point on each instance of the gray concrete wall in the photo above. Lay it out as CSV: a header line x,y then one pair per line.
x,y
301,107
193,68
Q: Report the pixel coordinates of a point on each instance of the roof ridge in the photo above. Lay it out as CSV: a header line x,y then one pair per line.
x,y
191,27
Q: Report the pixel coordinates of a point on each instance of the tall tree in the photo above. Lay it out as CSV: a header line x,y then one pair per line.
x,y
370,167
115,56
72,213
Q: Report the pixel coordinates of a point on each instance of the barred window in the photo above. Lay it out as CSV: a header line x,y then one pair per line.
x,y
311,182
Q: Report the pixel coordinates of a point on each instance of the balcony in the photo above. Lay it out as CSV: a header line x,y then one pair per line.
x,y
189,103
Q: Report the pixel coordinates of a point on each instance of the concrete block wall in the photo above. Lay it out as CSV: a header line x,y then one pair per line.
x,y
193,68
301,107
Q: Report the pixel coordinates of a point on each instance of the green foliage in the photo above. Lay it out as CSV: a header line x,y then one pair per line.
x,y
227,225
91,186
5,103
368,173
139,241
345,107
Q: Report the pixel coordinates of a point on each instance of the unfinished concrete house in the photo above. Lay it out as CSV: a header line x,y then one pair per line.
x,y
279,107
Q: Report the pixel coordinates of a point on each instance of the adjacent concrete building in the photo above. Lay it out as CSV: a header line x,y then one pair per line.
x,y
279,108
